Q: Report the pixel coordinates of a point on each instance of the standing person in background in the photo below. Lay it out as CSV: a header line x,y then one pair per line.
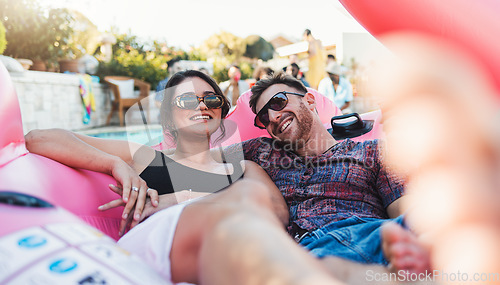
x,y
294,70
234,87
316,60
336,87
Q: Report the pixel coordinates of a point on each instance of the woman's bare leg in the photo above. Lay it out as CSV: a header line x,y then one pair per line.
x,y
248,247
233,237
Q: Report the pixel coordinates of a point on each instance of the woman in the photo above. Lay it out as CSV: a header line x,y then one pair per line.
x,y
192,111
188,120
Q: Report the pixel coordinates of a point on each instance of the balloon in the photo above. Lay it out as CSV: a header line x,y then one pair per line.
x,y
470,25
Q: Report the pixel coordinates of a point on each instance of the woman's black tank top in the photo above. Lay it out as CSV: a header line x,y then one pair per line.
x,y
167,176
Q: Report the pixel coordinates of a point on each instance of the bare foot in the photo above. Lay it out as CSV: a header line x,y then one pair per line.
x,y
403,250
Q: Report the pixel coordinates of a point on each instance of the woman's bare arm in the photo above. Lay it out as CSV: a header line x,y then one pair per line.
x,y
78,150
107,156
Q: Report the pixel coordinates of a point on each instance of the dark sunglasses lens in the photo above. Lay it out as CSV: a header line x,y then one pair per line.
x,y
213,101
263,119
278,102
188,102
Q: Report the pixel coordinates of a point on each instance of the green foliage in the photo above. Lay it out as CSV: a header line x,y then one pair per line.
x,y
246,70
3,41
258,47
224,45
223,50
84,38
144,60
31,32
196,54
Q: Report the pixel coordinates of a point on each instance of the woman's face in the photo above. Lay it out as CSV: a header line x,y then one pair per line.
x,y
201,120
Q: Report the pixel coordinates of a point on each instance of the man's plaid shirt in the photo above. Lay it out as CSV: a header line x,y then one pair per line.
x,y
347,180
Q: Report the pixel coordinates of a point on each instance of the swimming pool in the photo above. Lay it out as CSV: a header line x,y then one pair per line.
x,y
147,136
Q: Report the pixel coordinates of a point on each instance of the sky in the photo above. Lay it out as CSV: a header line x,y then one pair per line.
x,y
189,22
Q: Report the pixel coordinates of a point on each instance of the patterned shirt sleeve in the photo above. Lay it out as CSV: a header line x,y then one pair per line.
x,y
390,186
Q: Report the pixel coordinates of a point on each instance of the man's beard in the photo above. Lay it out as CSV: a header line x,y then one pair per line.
x,y
300,135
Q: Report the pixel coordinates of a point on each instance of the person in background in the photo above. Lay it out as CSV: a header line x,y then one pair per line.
x,y
173,68
336,87
259,73
316,59
262,72
204,70
330,58
234,87
294,70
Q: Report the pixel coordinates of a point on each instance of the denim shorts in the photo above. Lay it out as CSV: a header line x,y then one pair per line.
x,y
357,239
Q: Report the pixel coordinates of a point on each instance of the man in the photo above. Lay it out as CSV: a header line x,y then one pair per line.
x,y
173,67
336,87
338,193
294,70
234,87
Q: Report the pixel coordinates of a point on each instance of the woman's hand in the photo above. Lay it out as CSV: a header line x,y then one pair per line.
x,y
133,189
146,206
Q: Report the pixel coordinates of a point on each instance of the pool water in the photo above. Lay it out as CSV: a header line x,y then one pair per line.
x,y
147,137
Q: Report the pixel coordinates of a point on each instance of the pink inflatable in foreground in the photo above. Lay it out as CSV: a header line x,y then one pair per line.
x,y
80,191
45,244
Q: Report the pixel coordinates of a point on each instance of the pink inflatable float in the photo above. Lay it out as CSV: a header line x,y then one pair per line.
x,y
470,25
241,128
79,191
41,243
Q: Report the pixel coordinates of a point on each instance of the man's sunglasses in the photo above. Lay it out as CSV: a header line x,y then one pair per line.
x,y
276,103
189,101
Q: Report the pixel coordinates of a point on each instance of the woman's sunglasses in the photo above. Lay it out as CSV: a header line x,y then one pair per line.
x,y
276,103
189,101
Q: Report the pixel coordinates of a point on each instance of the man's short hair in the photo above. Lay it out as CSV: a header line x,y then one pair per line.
x,y
172,62
295,65
277,78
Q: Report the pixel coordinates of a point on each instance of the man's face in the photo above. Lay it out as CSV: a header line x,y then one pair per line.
x,y
175,68
291,125
293,71
334,77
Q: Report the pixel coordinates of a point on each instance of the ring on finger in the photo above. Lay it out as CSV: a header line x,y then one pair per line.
x,y
135,189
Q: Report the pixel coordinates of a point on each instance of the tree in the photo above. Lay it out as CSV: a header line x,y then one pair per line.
x,y
257,47
146,60
224,45
31,32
